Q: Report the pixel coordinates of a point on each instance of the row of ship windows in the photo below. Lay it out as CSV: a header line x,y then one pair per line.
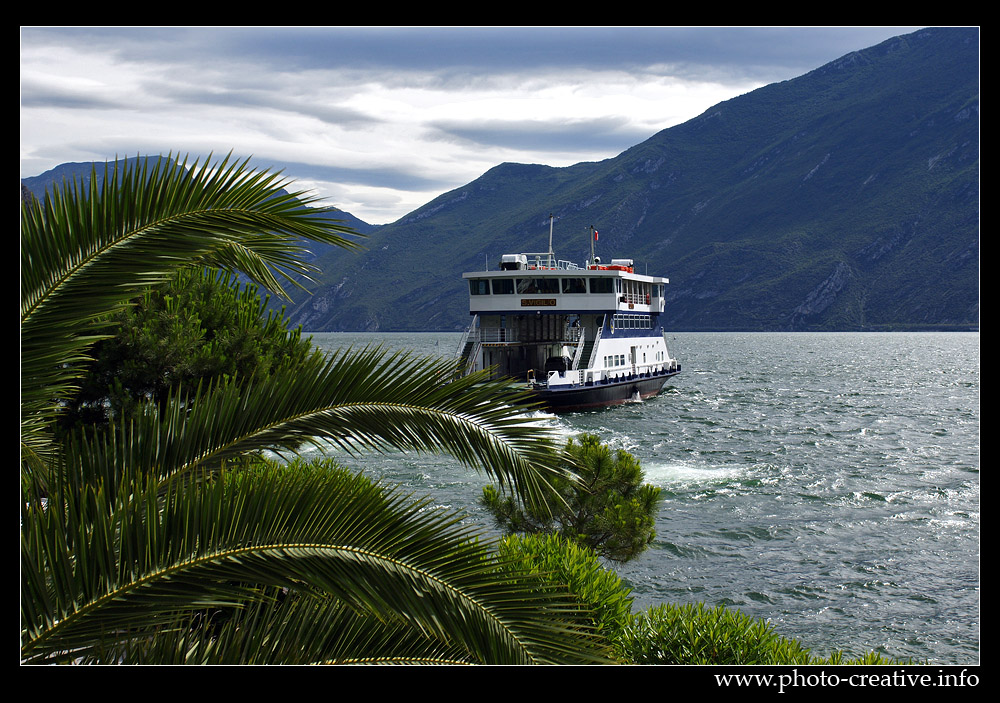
x,y
614,360
554,286
631,322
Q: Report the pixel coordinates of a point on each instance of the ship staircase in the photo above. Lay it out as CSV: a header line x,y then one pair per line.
x,y
586,360
468,349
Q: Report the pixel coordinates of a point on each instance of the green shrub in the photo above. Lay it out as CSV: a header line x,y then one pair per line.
x,y
565,563
607,507
869,658
699,634
664,634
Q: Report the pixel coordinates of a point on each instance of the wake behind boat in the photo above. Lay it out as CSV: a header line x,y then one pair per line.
x,y
581,337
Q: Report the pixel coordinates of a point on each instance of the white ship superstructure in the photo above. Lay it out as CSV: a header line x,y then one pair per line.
x,y
580,336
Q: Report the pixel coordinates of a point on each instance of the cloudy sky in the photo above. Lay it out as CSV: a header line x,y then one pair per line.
x,y
380,120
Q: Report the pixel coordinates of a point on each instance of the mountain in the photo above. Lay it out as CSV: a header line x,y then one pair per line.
x,y
845,199
81,172
63,173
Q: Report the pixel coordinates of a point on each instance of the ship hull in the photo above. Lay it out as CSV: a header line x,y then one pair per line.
x,y
603,395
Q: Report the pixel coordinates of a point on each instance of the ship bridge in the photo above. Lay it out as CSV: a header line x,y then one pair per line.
x,y
529,283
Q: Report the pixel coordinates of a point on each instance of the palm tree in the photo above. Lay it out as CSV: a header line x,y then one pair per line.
x,y
168,536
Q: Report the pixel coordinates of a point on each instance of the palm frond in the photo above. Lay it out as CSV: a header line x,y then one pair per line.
x,y
94,579
86,249
149,543
292,628
356,400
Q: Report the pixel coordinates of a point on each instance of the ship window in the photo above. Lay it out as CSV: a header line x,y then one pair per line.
x,y
602,285
479,286
632,322
548,285
574,285
538,285
503,286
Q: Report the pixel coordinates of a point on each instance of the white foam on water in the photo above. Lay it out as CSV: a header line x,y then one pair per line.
x,y
685,474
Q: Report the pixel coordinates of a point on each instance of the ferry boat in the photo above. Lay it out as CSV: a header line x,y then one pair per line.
x,y
580,337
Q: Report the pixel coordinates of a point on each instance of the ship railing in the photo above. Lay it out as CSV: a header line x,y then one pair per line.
x,y
496,335
670,361
601,376
510,335
579,348
544,260
597,342
470,365
636,298
465,336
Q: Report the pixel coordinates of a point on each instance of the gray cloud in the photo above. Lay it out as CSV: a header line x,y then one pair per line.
x,y
383,118
758,53
384,177
608,133
267,99
37,95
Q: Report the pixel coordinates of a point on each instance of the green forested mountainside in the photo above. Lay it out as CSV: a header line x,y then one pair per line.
x,y
844,199
847,198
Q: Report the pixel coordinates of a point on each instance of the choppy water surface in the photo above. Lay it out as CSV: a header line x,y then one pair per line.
x,y
826,482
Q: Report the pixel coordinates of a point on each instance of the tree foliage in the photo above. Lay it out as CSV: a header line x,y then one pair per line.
x,y
559,560
601,503
200,326
165,536
667,633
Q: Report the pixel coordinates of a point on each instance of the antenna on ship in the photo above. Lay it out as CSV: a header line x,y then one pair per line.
x,y
593,238
551,253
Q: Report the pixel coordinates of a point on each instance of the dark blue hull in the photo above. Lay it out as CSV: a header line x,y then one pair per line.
x,y
602,395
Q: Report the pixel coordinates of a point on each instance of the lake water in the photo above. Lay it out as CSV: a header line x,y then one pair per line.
x,y
826,482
